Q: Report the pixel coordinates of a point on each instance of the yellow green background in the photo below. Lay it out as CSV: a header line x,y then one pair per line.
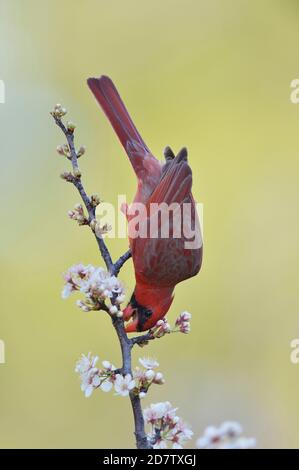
x,y
214,76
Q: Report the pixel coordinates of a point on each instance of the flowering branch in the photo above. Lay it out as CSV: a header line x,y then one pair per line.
x,y
90,204
103,291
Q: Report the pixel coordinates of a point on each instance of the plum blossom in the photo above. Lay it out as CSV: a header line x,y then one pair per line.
x,y
149,363
123,385
97,285
85,363
144,378
63,150
78,214
59,111
102,285
86,368
92,377
166,427
182,323
161,328
158,378
227,436
156,411
75,277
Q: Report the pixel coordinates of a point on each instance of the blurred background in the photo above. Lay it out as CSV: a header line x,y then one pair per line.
x,y
214,76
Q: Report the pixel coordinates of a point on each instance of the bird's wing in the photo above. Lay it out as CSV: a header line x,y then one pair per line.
x,y
142,160
165,260
175,185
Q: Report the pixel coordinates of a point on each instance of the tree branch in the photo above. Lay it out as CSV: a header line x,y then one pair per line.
x,y
76,180
120,262
126,344
142,338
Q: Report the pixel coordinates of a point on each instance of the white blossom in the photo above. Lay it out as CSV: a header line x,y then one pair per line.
x,y
149,374
123,385
106,385
182,323
78,214
230,428
113,309
144,378
120,298
227,436
97,285
67,290
166,427
75,277
85,363
92,377
161,328
156,411
148,363
85,367
108,366
158,378
86,306
58,111
160,444
101,284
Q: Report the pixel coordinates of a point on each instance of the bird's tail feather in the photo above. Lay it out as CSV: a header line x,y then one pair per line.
x,y
108,97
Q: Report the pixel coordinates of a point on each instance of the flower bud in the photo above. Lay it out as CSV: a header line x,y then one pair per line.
x,y
67,176
58,111
93,224
95,200
106,364
149,374
77,173
113,310
70,126
159,379
81,151
60,150
78,207
120,299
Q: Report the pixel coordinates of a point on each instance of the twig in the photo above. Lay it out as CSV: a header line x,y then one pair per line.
x,y
126,348
76,180
126,344
142,338
120,262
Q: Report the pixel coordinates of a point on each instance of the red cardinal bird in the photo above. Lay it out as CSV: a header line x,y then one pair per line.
x,y
162,262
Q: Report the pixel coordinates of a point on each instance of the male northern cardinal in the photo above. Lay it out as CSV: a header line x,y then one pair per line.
x,y
160,263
